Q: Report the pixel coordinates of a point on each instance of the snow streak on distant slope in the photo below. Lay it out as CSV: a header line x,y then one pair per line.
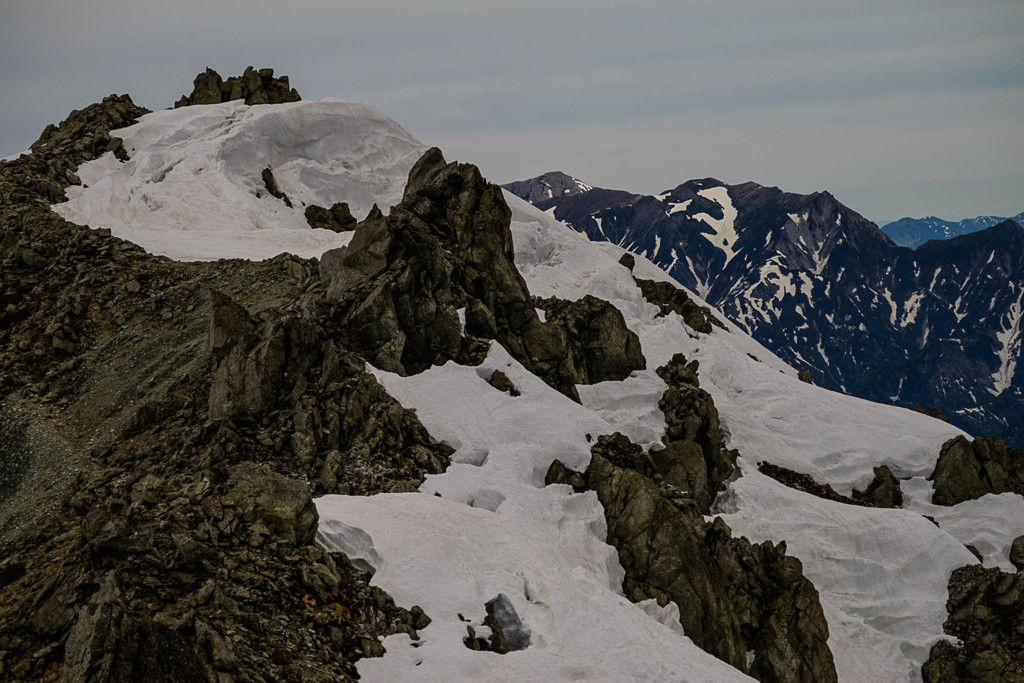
x,y
193,188
1009,338
723,233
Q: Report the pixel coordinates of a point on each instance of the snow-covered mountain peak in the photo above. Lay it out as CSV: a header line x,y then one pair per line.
x,y
550,185
198,170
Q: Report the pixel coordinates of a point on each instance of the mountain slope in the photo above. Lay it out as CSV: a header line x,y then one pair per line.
x,y
824,288
463,533
913,232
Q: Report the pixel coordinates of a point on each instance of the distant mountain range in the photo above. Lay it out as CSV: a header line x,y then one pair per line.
x,y
823,287
913,232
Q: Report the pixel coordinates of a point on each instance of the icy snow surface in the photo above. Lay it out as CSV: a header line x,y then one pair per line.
x,y
882,573
189,189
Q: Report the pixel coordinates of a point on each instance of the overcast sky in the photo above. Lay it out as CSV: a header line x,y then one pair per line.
x,y
906,107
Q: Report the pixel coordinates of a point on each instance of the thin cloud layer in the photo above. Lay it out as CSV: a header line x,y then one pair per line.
x,y
899,109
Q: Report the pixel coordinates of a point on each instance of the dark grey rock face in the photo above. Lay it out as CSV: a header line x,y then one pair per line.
x,y
986,614
828,292
398,286
733,597
967,470
338,218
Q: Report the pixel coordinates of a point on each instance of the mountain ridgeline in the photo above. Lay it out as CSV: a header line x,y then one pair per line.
x,y
823,287
913,232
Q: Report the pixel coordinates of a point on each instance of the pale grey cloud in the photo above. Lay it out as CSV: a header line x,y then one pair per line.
x,y
897,108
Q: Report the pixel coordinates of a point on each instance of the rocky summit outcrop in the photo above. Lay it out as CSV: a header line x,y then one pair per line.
x,y
747,604
398,287
969,469
253,86
163,427
986,614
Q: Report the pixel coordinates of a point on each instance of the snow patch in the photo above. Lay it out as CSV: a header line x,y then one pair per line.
x,y
192,187
723,234
1009,339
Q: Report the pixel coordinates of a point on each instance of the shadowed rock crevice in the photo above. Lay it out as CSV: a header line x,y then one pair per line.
x,y
967,470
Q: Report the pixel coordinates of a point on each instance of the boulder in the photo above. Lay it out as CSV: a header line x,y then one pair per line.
x,y
337,219
883,491
1017,553
967,470
273,504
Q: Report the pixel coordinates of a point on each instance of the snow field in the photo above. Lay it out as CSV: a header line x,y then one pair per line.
x,y
495,528
189,189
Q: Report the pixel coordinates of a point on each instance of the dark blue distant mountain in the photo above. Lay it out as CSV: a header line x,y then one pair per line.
x,y
913,232
825,289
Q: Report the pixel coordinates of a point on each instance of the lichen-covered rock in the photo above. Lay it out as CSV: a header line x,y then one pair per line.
x,y
500,381
602,347
986,613
271,503
671,299
883,491
338,218
694,458
733,597
967,470
255,87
